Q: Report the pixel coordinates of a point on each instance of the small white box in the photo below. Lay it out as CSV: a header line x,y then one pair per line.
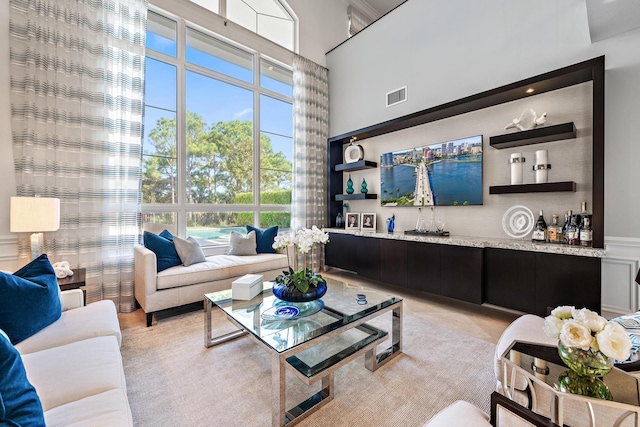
x,y
247,287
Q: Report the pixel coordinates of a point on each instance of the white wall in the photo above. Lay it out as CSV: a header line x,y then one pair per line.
x,y
444,50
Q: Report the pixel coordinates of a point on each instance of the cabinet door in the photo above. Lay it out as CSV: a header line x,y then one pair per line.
x,y
339,252
393,262
510,279
423,267
461,273
366,255
567,280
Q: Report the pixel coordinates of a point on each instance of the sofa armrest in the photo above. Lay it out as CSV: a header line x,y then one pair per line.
x,y
73,298
146,274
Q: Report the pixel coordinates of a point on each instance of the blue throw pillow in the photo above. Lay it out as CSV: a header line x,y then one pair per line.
x,y
165,250
29,299
166,234
264,239
19,403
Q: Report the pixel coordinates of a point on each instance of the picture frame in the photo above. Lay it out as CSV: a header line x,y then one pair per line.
x,y
353,221
368,222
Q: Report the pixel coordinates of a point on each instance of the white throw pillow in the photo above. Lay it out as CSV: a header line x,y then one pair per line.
x,y
242,245
189,250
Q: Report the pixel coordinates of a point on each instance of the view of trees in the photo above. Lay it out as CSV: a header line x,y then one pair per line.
x,y
219,163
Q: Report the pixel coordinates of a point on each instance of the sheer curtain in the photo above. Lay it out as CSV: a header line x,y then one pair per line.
x,y
77,80
310,133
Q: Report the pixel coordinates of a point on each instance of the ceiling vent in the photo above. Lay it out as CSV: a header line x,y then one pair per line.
x,y
396,96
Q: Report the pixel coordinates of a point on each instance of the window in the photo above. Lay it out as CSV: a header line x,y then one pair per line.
x,y
217,149
272,19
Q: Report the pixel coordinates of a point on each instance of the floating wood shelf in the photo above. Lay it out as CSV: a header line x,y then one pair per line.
x,y
533,188
534,136
358,196
355,166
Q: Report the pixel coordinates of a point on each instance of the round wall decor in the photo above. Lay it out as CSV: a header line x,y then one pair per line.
x,y
353,153
518,221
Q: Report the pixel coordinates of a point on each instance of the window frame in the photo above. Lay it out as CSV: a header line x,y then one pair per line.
x,y
181,208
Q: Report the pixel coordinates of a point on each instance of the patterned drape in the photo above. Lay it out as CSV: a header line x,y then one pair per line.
x,y
310,133
77,77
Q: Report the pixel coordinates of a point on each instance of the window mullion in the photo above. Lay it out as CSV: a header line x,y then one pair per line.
x,y
181,129
256,139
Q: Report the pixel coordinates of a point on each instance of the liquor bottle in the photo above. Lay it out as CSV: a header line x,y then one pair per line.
x,y
583,213
573,232
586,236
554,230
540,230
565,227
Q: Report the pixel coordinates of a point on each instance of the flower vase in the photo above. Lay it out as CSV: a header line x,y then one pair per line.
x,y
571,382
290,293
586,363
363,187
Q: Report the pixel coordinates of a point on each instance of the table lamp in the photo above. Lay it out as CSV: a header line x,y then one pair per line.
x,y
35,215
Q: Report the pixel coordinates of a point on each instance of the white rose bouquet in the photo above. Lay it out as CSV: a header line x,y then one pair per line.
x,y
303,240
585,329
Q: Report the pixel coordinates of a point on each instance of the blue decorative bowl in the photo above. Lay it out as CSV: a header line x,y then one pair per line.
x,y
290,293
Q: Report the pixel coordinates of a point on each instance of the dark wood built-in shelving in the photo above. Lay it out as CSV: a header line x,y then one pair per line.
x,y
359,196
356,166
547,187
534,136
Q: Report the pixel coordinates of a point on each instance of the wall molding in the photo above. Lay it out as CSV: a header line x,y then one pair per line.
x,y
8,251
632,242
619,297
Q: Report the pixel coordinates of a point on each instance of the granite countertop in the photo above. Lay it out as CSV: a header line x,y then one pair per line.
x,y
482,242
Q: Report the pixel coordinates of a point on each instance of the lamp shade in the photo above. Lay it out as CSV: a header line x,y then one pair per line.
x,y
34,214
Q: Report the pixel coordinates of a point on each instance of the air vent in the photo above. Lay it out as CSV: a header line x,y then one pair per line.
x,y
397,96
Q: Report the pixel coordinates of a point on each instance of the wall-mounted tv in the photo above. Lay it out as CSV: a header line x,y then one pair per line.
x,y
443,174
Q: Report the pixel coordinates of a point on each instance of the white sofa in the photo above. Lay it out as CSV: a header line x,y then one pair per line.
x,y
76,367
181,285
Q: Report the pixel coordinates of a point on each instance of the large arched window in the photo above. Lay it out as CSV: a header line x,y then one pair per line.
x,y
272,19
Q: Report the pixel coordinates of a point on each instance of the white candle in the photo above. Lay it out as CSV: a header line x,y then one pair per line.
x,y
516,168
541,157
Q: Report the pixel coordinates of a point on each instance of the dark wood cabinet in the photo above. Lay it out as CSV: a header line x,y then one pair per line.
x,y
461,273
530,282
510,279
423,267
393,262
567,280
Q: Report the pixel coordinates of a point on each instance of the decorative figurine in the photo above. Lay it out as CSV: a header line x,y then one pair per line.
x,y
391,223
363,188
527,120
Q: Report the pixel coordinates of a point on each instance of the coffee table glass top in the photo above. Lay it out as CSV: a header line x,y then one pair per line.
x,y
267,317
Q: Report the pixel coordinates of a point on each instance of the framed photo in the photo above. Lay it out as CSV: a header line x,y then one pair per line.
x,y
353,221
368,222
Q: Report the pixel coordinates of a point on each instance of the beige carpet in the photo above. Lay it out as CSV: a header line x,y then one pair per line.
x,y
173,380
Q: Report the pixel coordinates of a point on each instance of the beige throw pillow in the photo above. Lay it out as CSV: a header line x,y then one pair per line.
x,y
242,245
189,250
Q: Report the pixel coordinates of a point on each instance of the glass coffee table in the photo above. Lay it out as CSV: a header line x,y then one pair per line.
x,y
312,339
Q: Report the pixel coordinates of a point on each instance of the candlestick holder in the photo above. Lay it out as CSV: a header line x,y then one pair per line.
x,y
516,161
541,167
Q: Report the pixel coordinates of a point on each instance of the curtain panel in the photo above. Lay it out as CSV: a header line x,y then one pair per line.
x,y
310,133
77,84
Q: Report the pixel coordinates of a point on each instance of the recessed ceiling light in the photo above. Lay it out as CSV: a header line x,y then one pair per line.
x,y
530,90
270,68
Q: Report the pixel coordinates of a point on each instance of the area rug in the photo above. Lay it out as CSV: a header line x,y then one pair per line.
x,y
173,380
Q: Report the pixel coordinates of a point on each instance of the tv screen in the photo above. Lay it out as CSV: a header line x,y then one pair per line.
x,y
443,174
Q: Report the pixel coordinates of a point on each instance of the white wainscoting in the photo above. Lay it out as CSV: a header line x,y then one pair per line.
x,y
619,270
8,252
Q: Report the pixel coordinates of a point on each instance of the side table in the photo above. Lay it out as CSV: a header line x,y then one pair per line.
x,y
77,281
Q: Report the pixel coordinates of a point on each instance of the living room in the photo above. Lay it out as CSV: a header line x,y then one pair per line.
x,y
441,52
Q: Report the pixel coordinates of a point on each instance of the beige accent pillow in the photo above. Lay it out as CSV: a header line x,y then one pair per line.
x,y
189,250
242,244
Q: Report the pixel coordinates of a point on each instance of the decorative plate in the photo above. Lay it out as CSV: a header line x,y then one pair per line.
x,y
518,221
286,310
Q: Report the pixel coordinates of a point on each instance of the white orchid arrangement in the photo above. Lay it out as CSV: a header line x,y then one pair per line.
x,y
303,240
586,329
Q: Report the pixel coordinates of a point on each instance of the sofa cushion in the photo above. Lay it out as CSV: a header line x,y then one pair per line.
x,y
189,251
264,239
165,250
94,320
110,408
219,267
74,371
166,234
19,402
460,413
30,299
242,245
